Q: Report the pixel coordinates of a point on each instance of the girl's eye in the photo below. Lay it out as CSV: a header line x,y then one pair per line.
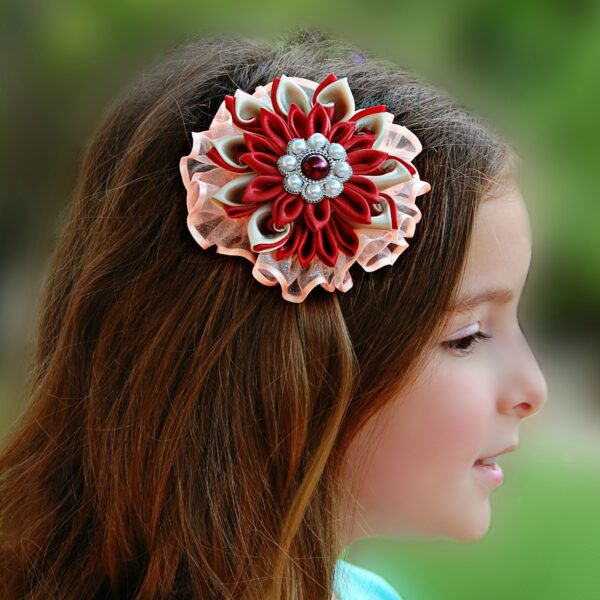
x,y
464,344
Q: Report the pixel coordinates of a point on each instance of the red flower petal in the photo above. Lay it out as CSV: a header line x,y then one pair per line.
x,y
292,242
411,168
216,157
327,248
318,121
345,235
276,129
363,185
235,212
316,214
287,208
368,111
330,110
260,143
354,203
297,121
307,247
352,207
261,162
263,188
393,210
366,160
274,97
360,141
342,131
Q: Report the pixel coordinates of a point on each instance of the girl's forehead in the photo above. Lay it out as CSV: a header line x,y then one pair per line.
x,y
500,251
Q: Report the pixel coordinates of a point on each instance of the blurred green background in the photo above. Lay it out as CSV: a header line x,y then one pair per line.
x,y
531,69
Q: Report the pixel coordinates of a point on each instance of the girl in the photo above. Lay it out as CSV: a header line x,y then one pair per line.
x,y
192,434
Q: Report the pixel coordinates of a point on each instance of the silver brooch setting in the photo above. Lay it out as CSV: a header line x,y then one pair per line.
x,y
314,168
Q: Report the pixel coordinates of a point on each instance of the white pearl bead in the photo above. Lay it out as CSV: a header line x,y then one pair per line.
x,y
342,170
297,146
287,162
294,183
313,192
332,188
316,140
337,151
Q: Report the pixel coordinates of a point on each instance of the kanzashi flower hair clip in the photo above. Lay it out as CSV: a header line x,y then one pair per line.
x,y
301,183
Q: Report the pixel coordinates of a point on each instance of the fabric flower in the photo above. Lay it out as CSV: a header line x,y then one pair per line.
x,y
300,182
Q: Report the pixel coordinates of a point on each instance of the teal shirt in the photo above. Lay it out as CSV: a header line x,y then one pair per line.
x,y
352,582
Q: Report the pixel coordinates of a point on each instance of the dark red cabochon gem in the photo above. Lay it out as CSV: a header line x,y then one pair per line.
x,y
315,166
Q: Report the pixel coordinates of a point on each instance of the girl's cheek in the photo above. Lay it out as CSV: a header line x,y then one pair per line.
x,y
426,443
447,420
428,438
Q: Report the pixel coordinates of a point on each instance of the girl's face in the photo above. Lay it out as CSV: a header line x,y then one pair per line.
x,y
420,479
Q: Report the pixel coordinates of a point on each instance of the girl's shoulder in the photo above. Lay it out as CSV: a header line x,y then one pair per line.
x,y
352,582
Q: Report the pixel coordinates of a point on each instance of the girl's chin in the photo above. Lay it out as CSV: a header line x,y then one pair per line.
x,y
465,523
475,524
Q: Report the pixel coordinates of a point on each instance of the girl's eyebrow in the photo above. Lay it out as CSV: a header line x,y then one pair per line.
x,y
470,301
498,295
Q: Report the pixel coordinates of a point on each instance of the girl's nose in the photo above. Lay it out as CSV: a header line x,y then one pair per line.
x,y
527,391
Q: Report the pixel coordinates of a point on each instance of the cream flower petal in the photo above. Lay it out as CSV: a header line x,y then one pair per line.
x,y
396,173
247,107
231,192
229,148
288,92
384,220
338,94
258,234
377,123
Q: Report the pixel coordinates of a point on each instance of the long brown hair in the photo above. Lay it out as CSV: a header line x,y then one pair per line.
x,y
186,425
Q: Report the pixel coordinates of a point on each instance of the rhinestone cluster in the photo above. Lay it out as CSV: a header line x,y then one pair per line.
x,y
314,168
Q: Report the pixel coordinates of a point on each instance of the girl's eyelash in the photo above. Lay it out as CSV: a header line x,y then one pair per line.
x,y
464,344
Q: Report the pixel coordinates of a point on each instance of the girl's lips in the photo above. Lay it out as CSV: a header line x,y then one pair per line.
x,y
491,472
